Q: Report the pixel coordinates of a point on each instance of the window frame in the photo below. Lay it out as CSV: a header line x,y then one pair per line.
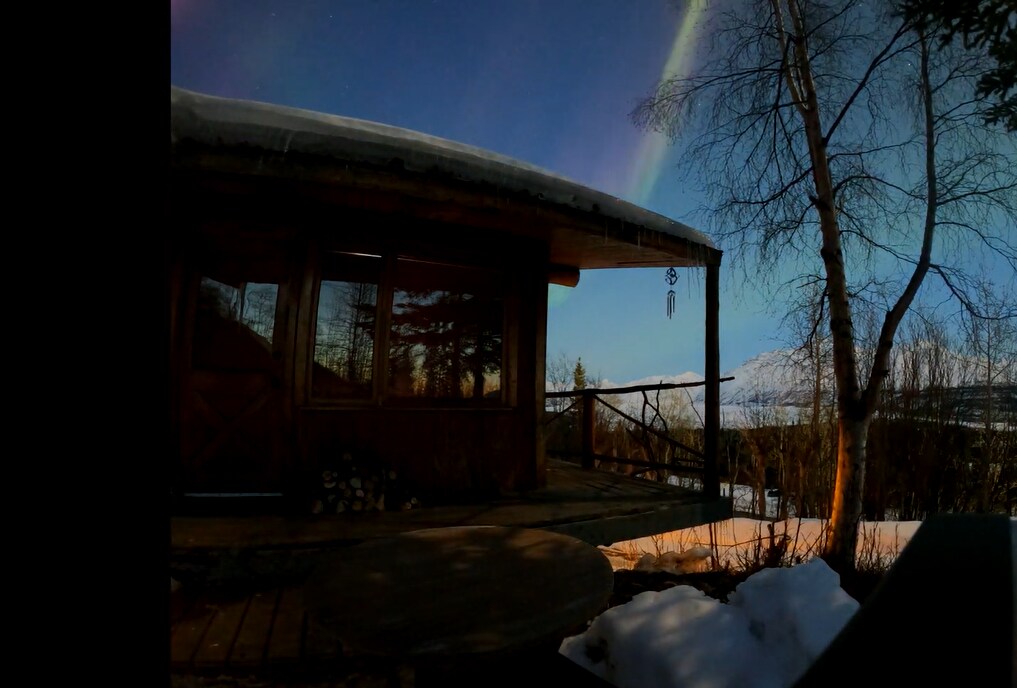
x,y
318,279
497,279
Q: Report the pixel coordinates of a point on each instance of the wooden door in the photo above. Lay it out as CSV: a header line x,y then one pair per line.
x,y
232,434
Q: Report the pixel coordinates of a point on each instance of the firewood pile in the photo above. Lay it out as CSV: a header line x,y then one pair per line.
x,y
361,485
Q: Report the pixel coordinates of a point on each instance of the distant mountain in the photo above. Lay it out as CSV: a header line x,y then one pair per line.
x,y
778,380
765,382
770,378
680,378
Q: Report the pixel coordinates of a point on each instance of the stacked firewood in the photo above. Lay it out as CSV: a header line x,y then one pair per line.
x,y
361,485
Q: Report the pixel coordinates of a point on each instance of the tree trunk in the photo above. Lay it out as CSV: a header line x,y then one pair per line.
x,y
854,412
856,406
852,432
761,485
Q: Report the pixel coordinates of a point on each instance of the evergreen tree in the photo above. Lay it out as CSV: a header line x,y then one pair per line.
x,y
579,375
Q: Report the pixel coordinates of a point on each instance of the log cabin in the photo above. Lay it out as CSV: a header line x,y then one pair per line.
x,y
339,287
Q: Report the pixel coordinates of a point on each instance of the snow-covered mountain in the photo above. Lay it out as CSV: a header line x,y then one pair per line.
x,y
779,381
769,378
772,378
680,378
766,381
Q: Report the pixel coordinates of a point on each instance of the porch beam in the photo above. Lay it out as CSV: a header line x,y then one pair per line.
x,y
589,399
711,478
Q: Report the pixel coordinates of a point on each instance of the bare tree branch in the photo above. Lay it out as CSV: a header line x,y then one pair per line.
x,y
904,168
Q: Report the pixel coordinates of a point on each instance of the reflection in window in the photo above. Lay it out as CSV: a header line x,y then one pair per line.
x,y
445,344
248,304
344,335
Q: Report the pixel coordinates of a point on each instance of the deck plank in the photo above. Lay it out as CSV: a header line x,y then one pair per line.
x,y
320,644
252,640
187,634
215,647
286,639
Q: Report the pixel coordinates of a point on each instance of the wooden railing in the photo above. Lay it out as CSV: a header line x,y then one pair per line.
x,y
695,461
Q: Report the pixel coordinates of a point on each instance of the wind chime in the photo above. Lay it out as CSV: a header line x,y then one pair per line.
x,y
670,277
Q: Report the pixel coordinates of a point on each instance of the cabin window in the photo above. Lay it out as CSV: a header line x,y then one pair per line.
x,y
345,329
236,324
248,304
399,328
445,335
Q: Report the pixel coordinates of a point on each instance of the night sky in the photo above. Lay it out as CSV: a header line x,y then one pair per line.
x,y
548,82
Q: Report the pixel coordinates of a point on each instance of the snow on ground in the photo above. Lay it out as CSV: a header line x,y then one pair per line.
x,y
777,622
744,540
775,625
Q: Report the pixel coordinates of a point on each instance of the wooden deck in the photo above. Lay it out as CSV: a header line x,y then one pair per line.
x,y
262,630
595,506
236,619
267,635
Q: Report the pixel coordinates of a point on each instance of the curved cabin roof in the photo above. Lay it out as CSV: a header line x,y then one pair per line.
x,y
367,165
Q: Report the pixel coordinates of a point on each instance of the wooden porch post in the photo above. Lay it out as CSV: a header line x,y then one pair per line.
x,y
588,418
711,478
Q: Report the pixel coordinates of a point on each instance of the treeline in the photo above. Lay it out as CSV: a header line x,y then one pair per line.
x,y
944,439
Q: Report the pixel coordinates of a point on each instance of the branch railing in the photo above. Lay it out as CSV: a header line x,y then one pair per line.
x,y
588,398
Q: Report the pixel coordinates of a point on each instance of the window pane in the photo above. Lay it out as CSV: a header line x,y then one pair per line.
x,y
445,344
344,336
235,324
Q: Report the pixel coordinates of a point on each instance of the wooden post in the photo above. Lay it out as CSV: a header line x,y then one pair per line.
x,y
588,417
711,477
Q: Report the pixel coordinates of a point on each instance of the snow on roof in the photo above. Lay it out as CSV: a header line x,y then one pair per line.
x,y
224,121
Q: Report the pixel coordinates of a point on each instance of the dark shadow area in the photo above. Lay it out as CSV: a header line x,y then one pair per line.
x,y
942,616
459,593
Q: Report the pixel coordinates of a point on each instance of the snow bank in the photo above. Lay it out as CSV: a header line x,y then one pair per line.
x,y
777,622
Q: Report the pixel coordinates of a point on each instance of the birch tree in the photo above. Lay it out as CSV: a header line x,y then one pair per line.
x,y
837,143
